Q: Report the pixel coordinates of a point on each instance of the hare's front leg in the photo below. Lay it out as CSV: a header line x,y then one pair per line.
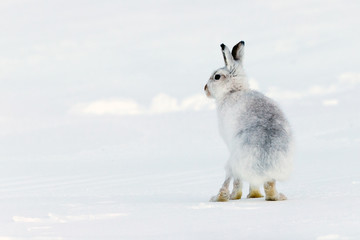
x,y
237,190
254,192
224,193
271,192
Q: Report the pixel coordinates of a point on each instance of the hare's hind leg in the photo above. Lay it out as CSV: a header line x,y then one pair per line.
x,y
254,192
237,190
224,194
271,192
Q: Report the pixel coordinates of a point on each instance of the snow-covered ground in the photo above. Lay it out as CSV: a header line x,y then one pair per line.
x,y
105,132
150,177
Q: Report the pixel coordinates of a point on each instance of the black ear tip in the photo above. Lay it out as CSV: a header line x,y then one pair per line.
x,y
222,46
242,42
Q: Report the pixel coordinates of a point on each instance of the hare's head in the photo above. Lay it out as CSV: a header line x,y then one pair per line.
x,y
231,77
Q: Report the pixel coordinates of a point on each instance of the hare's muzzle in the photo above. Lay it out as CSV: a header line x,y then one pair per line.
x,y
207,92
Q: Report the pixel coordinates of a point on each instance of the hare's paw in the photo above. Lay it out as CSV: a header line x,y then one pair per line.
x,y
236,195
255,194
222,196
277,197
271,193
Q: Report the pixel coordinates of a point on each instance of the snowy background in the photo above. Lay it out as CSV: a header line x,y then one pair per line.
x,y
106,134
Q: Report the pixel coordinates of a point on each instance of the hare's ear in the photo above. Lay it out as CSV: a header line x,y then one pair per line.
x,y
228,58
238,51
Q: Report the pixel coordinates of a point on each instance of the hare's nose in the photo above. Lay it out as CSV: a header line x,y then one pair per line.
x,y
207,92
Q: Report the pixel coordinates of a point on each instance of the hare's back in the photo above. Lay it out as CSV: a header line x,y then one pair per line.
x,y
264,126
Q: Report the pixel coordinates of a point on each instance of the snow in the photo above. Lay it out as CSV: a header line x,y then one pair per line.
x,y
105,132
150,177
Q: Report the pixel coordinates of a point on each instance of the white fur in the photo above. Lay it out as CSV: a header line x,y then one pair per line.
x,y
253,127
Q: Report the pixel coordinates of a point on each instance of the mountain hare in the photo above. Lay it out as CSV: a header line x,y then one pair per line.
x,y
254,129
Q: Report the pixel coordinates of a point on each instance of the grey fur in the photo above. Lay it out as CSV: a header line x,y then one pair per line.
x,y
263,127
254,128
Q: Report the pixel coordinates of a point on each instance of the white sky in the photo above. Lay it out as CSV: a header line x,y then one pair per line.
x,y
58,55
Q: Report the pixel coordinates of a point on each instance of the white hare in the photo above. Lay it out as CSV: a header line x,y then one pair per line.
x,y
254,129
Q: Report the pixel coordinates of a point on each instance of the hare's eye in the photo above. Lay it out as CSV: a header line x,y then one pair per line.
x,y
217,76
